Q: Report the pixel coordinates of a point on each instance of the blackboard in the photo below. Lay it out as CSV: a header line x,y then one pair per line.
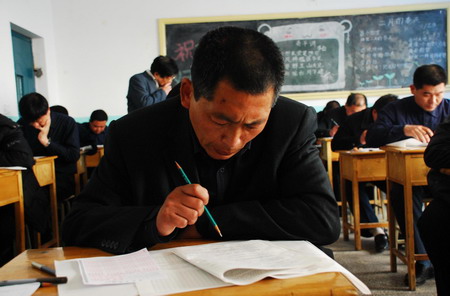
x,y
354,51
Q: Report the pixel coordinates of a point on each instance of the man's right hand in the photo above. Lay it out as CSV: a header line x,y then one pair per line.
x,y
419,132
181,208
167,88
334,130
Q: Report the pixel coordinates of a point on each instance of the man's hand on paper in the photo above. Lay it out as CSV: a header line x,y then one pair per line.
x,y
362,138
181,208
419,132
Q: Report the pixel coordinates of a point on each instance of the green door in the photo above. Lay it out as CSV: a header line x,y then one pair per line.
x,y
23,64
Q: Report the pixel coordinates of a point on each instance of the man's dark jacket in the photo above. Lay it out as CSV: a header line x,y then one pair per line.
x,y
278,190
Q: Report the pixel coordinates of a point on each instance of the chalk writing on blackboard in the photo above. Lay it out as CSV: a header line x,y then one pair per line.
x,y
313,54
332,53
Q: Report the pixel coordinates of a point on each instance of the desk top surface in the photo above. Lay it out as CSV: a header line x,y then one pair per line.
x,y
331,283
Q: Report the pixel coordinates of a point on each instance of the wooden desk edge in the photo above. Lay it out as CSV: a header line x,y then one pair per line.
x,y
20,267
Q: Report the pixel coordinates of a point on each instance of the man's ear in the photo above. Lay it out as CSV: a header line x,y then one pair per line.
x,y
186,92
412,88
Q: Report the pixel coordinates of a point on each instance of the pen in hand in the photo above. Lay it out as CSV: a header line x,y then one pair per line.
x,y
216,227
43,268
334,122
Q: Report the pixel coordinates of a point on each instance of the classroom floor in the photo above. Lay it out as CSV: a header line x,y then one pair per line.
x,y
374,269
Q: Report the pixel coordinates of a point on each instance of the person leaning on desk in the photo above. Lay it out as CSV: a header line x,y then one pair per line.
x,y
416,116
352,135
249,155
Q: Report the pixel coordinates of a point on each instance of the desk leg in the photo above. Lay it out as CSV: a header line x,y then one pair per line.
x,y
54,209
409,243
344,207
356,216
392,231
20,224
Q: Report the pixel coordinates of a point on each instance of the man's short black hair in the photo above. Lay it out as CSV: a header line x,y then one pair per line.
x,y
164,66
59,109
383,101
98,115
247,59
331,105
353,101
430,75
32,106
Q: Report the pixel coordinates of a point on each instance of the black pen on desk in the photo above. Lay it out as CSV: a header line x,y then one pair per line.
x,y
43,268
51,280
183,174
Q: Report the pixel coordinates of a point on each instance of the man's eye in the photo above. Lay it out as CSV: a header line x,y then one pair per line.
x,y
220,123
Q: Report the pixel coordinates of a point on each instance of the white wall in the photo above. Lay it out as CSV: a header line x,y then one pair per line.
x,y
92,47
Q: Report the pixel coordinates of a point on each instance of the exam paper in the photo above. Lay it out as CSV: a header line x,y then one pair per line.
x,y
75,286
120,269
14,168
243,263
19,290
410,142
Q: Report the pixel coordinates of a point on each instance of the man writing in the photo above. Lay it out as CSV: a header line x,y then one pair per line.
x,y
248,153
417,117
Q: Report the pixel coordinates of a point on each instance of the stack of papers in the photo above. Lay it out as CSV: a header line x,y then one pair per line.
x,y
410,142
195,268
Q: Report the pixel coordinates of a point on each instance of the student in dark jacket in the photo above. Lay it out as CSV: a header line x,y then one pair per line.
x,y
418,117
324,123
93,133
15,151
51,133
351,135
355,102
434,224
249,154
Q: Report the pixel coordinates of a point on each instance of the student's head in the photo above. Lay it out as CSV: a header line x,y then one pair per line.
x,y
236,77
356,102
59,109
381,103
428,86
97,121
331,105
34,110
164,69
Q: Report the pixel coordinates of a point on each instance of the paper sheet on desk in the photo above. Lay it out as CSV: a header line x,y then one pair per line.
x,y
19,290
306,258
14,168
121,269
75,286
408,143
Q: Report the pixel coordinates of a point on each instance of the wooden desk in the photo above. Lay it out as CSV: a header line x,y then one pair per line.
x,y
356,166
44,169
405,167
81,177
328,156
330,283
92,161
11,193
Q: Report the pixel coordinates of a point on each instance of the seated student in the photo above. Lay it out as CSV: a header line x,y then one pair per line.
x,y
59,109
355,102
94,132
249,154
51,133
15,151
416,116
434,224
152,86
352,134
324,123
